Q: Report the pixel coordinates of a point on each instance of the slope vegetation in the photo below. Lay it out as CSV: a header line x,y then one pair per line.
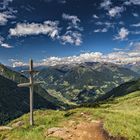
x,y
82,83
14,101
121,90
120,119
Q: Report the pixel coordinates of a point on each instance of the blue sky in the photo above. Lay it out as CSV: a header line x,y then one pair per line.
x,y
58,29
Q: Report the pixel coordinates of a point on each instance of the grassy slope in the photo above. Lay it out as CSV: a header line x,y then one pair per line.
x,y
14,101
19,78
120,116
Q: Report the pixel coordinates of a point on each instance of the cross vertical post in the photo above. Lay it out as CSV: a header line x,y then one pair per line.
x,y
31,92
31,84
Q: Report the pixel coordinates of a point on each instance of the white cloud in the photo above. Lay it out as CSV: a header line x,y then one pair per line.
x,y
72,35
17,63
135,14
3,44
117,49
107,24
136,46
122,34
4,18
106,4
86,57
7,12
134,2
127,3
113,12
95,16
104,26
5,4
1,39
100,30
48,27
120,56
73,38
73,21
136,25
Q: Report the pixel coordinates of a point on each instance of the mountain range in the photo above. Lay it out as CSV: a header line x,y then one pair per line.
x,y
64,86
81,83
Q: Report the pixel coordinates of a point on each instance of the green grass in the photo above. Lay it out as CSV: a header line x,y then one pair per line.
x,y
121,117
43,121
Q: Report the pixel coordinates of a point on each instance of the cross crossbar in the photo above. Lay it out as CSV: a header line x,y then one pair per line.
x,y
31,84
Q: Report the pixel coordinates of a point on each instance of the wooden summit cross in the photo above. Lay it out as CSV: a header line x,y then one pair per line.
x,y
31,84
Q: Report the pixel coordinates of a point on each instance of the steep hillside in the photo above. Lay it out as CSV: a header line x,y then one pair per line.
x,y
12,75
19,78
85,82
121,90
134,67
118,119
14,101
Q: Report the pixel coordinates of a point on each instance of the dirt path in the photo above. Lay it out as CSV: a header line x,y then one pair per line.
x,y
88,131
83,131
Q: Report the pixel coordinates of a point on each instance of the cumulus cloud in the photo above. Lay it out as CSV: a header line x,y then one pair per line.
x,y
73,35
120,56
7,12
73,20
17,63
3,44
74,38
123,57
106,4
4,4
86,57
4,18
48,27
122,34
113,12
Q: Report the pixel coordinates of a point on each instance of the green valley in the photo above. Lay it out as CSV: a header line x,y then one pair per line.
x,y
83,83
